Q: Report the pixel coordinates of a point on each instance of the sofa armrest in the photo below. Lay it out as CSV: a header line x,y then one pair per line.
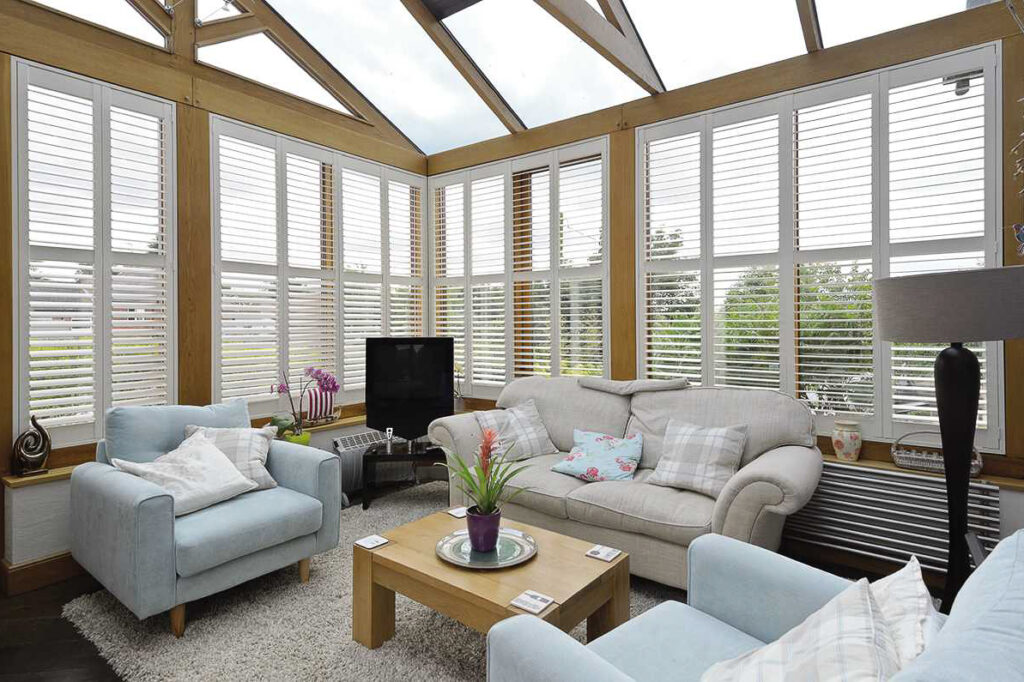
x,y
527,649
122,532
754,503
753,589
312,472
459,435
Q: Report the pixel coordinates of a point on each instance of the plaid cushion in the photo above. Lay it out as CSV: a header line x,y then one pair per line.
x,y
699,458
246,448
520,428
907,606
847,640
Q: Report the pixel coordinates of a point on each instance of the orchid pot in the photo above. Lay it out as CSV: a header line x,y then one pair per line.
x,y
298,438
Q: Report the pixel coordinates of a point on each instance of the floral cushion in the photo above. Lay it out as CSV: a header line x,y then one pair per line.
x,y
600,457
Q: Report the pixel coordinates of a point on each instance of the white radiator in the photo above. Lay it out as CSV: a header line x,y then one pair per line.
x,y
890,515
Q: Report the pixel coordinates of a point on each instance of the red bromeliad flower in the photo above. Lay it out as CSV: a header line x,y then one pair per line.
x,y
487,445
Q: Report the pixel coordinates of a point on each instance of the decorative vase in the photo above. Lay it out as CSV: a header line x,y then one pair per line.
x,y
300,439
846,440
483,529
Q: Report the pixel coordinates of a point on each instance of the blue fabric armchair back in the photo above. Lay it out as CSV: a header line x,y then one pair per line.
x,y
141,434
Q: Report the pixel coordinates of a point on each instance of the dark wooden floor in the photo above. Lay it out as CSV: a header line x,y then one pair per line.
x,y
36,643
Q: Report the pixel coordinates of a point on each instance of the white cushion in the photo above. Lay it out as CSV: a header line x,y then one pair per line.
x,y
196,474
699,458
847,640
907,606
246,448
521,432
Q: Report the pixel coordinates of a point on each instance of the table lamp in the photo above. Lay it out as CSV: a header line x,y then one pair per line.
x,y
954,307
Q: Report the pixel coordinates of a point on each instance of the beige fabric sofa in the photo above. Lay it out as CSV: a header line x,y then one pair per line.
x,y
779,471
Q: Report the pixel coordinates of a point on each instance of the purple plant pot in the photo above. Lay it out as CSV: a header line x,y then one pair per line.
x,y
483,529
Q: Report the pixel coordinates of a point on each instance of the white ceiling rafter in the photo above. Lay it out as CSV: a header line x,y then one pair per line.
x,y
613,36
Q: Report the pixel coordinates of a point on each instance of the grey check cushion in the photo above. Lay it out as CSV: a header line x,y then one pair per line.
x,y
698,458
246,448
847,640
519,427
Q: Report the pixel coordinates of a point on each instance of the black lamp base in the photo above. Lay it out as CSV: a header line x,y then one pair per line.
x,y
957,390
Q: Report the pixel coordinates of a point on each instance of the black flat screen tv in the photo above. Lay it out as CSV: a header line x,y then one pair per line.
x,y
409,383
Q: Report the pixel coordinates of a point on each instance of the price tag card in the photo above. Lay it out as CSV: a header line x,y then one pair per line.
x,y
372,541
603,553
532,602
458,512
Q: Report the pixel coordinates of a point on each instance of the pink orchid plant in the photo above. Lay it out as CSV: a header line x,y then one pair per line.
x,y
325,382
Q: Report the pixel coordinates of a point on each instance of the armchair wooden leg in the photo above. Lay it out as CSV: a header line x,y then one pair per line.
x,y
178,620
303,570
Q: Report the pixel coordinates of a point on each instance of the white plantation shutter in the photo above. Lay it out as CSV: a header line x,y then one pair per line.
x,y
249,355
405,259
532,322
62,342
361,222
449,295
745,215
758,254
745,186
672,331
581,326
312,288
363,317
96,227
531,259
249,286
535,272
671,308
487,298
833,150
938,163
487,326
746,350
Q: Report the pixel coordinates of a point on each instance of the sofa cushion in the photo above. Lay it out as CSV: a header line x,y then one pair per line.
x,y
545,490
564,405
241,526
983,636
671,641
773,419
676,516
143,433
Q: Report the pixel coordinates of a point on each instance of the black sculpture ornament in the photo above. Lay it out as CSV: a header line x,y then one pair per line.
x,y
31,450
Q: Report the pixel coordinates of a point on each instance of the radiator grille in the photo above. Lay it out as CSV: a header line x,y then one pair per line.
x,y
890,515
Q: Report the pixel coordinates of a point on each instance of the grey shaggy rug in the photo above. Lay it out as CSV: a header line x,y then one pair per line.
x,y
275,628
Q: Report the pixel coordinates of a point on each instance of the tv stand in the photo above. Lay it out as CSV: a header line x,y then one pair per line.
x,y
406,451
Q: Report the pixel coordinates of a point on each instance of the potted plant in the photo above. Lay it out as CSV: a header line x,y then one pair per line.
x,y
290,426
484,483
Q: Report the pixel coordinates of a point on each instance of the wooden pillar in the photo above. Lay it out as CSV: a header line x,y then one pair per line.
x,y
622,253
1013,213
195,258
7,198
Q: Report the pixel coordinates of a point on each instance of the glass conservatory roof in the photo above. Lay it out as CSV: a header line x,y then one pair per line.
x,y
530,63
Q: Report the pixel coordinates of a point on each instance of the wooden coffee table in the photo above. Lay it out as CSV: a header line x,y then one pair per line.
x,y
583,588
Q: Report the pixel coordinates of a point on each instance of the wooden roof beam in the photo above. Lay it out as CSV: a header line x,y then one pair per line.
x,y
322,71
808,12
464,64
230,28
604,36
155,13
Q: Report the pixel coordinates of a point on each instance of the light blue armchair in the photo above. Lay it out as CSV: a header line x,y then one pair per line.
x,y
741,596
125,534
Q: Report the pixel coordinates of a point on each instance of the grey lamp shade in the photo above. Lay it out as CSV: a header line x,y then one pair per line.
x,y
971,305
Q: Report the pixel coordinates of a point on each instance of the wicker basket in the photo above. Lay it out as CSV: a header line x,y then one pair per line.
x,y
910,457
